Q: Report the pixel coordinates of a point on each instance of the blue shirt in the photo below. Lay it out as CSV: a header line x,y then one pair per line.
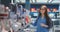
x,y
39,27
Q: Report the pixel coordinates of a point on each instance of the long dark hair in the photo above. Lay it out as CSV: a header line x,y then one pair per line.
x,y
46,16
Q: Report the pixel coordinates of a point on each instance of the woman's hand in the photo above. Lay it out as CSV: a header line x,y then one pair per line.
x,y
44,25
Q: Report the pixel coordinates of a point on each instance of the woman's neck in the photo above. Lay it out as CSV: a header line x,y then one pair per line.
x,y
42,15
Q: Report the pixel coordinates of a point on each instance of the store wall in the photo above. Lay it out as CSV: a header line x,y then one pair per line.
x,y
59,7
37,6
48,5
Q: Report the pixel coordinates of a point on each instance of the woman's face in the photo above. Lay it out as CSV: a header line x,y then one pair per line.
x,y
42,10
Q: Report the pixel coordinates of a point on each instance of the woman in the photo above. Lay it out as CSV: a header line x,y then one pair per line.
x,y
43,21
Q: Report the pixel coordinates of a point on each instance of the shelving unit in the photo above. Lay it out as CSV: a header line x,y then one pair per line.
x,y
36,4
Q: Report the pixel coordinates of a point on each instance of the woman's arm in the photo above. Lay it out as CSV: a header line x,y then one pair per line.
x,y
43,25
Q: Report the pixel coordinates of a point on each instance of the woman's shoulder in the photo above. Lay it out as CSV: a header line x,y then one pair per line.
x,y
38,18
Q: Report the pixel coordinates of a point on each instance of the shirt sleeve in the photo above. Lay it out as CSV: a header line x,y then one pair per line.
x,y
36,21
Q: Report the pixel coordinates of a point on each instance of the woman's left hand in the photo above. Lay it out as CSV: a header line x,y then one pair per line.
x,y
43,25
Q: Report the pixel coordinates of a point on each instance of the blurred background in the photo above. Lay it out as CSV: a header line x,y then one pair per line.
x,y
17,15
